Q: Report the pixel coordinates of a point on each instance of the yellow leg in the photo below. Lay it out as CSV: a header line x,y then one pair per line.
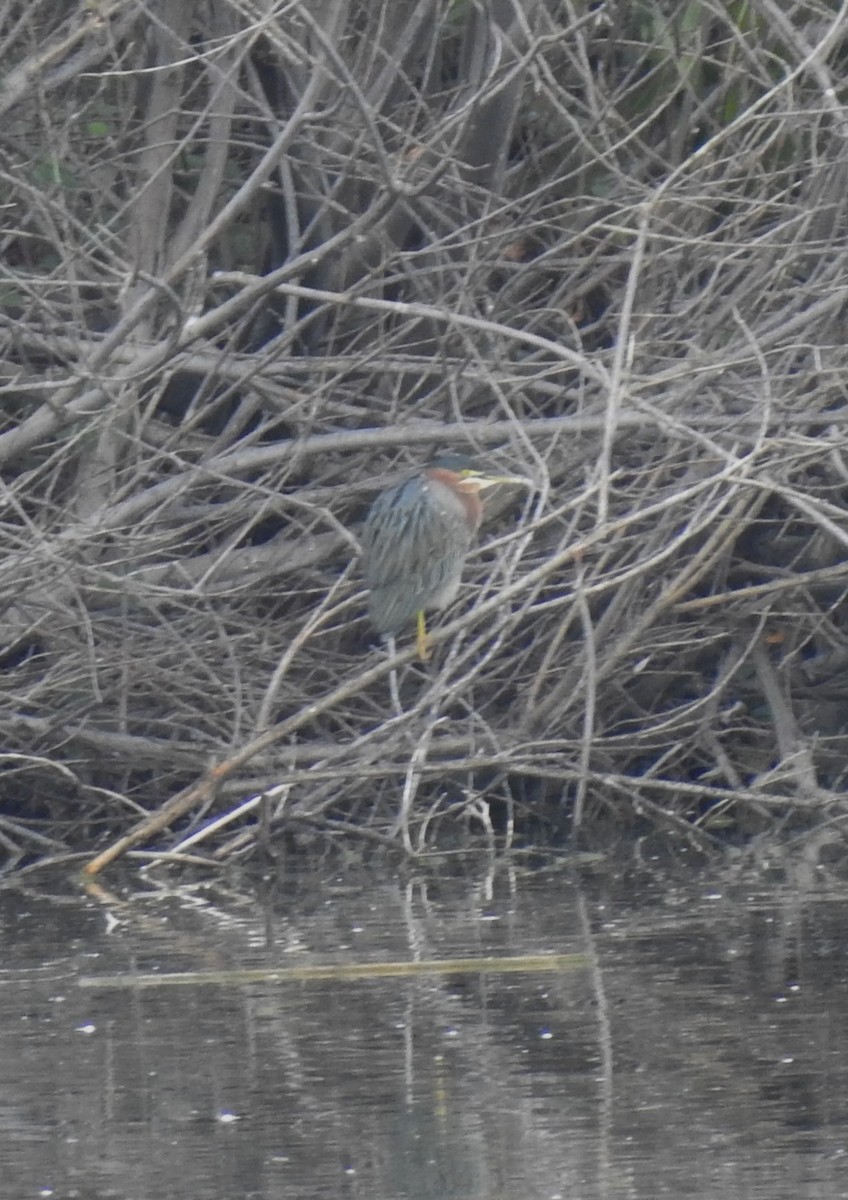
x,y
422,641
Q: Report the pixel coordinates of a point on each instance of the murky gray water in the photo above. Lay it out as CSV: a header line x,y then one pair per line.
x,y
701,1050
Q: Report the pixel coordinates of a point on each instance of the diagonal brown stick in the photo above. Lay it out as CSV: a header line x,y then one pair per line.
x,y
203,790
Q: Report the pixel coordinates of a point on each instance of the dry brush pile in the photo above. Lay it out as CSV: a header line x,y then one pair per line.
x,y
262,258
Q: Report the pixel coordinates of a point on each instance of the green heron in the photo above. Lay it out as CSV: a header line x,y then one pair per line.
x,y
416,538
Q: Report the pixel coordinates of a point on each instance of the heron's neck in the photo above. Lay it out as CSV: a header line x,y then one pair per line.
x,y
467,491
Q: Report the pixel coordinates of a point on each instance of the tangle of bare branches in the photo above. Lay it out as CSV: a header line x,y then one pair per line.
x,y
262,257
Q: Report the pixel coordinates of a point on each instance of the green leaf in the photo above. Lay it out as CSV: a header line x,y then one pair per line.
x,y
49,172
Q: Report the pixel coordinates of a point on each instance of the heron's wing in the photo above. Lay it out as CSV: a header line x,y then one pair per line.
x,y
415,540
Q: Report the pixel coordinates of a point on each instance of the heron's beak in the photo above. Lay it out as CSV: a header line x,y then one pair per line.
x,y
487,481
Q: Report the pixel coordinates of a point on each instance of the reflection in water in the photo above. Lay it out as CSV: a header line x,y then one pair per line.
x,y
701,1052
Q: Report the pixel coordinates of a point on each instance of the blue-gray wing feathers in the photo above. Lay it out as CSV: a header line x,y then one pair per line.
x,y
415,540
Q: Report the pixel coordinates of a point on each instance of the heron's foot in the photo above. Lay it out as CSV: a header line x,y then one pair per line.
x,y
422,639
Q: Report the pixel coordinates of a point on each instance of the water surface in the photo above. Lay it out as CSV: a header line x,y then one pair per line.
x,y
700,1050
